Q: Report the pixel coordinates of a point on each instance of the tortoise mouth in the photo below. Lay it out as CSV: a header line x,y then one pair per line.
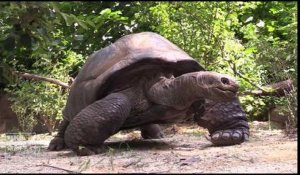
x,y
231,89
228,92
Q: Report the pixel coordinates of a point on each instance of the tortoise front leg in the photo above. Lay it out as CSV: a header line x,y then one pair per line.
x,y
225,121
151,131
58,142
95,123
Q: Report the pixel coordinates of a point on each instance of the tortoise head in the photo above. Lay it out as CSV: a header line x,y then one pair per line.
x,y
217,86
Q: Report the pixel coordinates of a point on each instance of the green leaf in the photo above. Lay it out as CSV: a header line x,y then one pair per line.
x,y
90,23
251,50
270,28
249,108
69,20
273,10
82,24
105,11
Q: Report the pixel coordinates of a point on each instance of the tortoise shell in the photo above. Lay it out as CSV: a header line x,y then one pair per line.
x,y
130,56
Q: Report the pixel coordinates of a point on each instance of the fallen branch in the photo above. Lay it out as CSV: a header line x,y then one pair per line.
x,y
278,89
41,78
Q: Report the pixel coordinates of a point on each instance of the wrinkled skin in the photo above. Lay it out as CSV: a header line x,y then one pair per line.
x,y
225,121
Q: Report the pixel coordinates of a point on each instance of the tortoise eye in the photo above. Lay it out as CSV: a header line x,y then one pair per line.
x,y
225,80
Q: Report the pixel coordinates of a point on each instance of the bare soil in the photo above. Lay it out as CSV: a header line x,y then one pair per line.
x,y
183,150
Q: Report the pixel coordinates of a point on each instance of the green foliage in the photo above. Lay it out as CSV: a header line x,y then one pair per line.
x,y
42,101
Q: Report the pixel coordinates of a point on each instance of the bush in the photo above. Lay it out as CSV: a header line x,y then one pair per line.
x,y
35,101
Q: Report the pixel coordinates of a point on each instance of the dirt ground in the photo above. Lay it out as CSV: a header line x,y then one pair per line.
x,y
183,150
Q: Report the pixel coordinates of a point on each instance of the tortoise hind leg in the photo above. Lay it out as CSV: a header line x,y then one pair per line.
x,y
151,131
97,122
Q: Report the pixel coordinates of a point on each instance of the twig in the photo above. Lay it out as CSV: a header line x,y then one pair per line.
x,y
246,79
184,149
250,159
69,171
240,75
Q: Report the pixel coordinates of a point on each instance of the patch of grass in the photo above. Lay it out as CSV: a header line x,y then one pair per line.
x,y
32,150
193,131
111,153
16,136
9,149
84,165
127,146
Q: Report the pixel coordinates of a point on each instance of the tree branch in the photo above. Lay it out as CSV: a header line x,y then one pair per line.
x,y
233,67
41,78
246,79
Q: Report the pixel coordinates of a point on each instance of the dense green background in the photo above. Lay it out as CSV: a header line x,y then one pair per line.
x,y
253,41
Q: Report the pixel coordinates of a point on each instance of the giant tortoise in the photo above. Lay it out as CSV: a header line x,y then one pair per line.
x,y
143,80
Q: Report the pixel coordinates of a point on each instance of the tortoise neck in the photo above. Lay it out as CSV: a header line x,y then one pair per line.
x,y
179,93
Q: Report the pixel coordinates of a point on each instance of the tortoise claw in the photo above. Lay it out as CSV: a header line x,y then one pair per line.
x,y
57,144
228,137
152,131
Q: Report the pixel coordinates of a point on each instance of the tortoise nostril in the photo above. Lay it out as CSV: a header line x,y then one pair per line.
x,y
225,80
